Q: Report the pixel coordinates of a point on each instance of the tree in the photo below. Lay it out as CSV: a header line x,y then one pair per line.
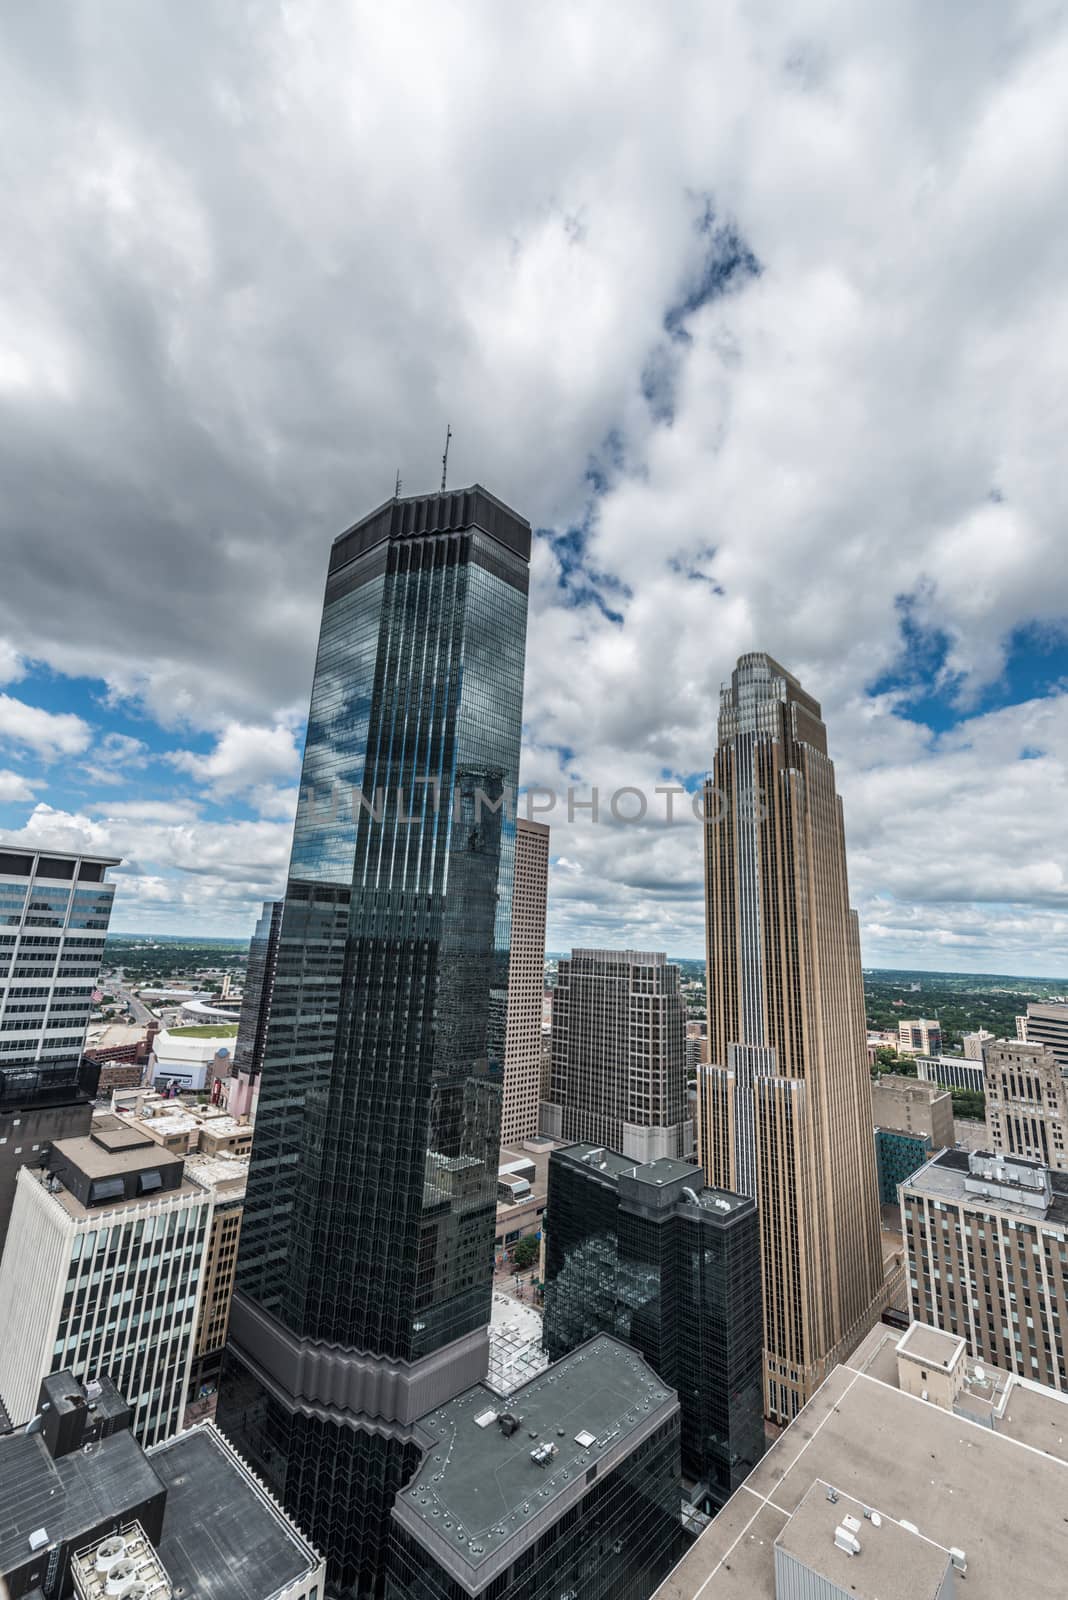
x,y
969,1104
526,1252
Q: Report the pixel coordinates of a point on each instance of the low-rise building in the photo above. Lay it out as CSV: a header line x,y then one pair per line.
x,y
522,1192
87,1513
898,1156
911,1119
184,1126
952,1072
904,1478
986,1240
570,1487
192,1058
907,1105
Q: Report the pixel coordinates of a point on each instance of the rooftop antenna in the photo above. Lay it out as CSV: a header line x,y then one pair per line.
x,y
397,486
445,457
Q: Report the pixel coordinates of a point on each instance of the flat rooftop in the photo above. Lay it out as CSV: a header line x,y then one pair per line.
x,y
18,848
479,1497
961,1483
223,1536
227,1172
943,1176
97,1162
933,1346
659,1174
894,1563
66,1496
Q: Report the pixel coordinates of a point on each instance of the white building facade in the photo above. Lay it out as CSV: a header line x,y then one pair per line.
x,y
54,914
107,1289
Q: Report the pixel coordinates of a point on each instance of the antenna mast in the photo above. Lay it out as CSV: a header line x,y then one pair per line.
x,y
397,486
445,457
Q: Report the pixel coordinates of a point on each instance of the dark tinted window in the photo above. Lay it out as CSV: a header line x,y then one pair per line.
x,y
53,867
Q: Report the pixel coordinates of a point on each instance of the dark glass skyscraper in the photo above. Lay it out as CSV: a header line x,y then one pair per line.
x,y
363,1290
645,1252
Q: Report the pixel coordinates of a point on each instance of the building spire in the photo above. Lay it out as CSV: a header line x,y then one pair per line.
x,y
445,457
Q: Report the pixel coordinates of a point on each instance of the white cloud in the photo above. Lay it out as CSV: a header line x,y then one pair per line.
x,y
244,758
186,873
11,664
14,787
115,757
50,734
173,811
878,415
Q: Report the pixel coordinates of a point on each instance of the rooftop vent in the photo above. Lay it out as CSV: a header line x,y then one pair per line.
x,y
846,1541
959,1560
120,1577
38,1539
508,1424
484,1418
585,1438
110,1553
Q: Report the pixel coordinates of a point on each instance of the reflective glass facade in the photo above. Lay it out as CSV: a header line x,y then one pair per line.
x,y
372,1191
645,1253
617,1543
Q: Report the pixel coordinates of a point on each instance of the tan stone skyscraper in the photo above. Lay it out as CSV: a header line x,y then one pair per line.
x,y
526,983
785,1104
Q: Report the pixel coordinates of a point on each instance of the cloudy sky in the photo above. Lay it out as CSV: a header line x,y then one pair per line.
x,y
758,311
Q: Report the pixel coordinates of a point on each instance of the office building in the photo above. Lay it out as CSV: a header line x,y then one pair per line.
x,y
226,1177
897,1156
571,1487
364,1274
54,914
101,1274
784,1107
522,1193
904,1105
921,1037
974,1042
952,1072
526,983
915,1473
985,1241
1026,1102
618,1074
648,1254
1046,1023
87,1513
255,1010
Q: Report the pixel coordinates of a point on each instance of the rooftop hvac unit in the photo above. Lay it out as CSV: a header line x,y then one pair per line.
x,y
110,1552
846,1541
120,1577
